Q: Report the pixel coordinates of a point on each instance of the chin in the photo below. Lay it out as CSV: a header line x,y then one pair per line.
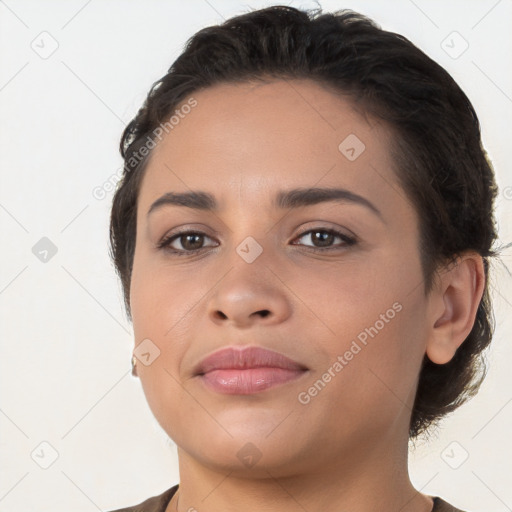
x,y
247,459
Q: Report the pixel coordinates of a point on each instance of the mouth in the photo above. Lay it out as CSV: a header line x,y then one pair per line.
x,y
246,371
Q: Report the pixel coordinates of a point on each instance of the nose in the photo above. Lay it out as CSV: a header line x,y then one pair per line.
x,y
249,295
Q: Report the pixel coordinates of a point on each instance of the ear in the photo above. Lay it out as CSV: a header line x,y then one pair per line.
x,y
453,305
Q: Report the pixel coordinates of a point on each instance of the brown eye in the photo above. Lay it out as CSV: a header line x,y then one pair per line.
x,y
323,239
183,243
191,242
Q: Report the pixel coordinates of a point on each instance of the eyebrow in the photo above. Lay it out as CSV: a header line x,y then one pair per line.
x,y
286,199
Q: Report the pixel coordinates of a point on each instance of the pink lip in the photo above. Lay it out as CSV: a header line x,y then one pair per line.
x,y
246,371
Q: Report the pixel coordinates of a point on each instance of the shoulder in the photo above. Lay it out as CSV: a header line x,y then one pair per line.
x,y
154,504
442,506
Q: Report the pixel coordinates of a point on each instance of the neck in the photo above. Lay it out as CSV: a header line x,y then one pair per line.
x,y
375,478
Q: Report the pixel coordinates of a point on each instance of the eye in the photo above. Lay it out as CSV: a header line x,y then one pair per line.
x,y
323,238
190,242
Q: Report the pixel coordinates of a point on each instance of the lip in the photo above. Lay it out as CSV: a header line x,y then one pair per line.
x,y
247,370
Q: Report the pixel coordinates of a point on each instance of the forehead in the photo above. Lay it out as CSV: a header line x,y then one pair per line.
x,y
243,138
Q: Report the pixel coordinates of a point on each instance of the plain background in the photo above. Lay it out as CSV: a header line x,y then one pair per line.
x,y
66,344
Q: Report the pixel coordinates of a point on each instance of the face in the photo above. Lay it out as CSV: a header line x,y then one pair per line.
x,y
330,280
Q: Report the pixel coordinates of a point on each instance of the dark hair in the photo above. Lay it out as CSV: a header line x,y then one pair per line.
x,y
440,161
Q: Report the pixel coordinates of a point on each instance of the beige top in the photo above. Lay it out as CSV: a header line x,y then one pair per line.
x,y
159,503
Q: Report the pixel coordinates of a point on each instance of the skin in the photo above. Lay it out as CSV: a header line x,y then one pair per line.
x,y
346,449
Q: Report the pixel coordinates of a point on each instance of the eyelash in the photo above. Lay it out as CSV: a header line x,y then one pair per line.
x,y
164,244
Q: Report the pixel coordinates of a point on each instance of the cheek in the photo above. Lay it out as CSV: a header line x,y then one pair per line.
x,y
157,299
349,295
153,316
372,316
368,378
153,319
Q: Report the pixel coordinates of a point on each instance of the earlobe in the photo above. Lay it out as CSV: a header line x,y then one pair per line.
x,y
455,302
134,366
442,349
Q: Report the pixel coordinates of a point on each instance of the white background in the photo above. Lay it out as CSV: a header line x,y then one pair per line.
x,y
66,344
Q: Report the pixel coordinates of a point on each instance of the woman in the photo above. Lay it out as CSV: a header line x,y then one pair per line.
x,y
302,233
